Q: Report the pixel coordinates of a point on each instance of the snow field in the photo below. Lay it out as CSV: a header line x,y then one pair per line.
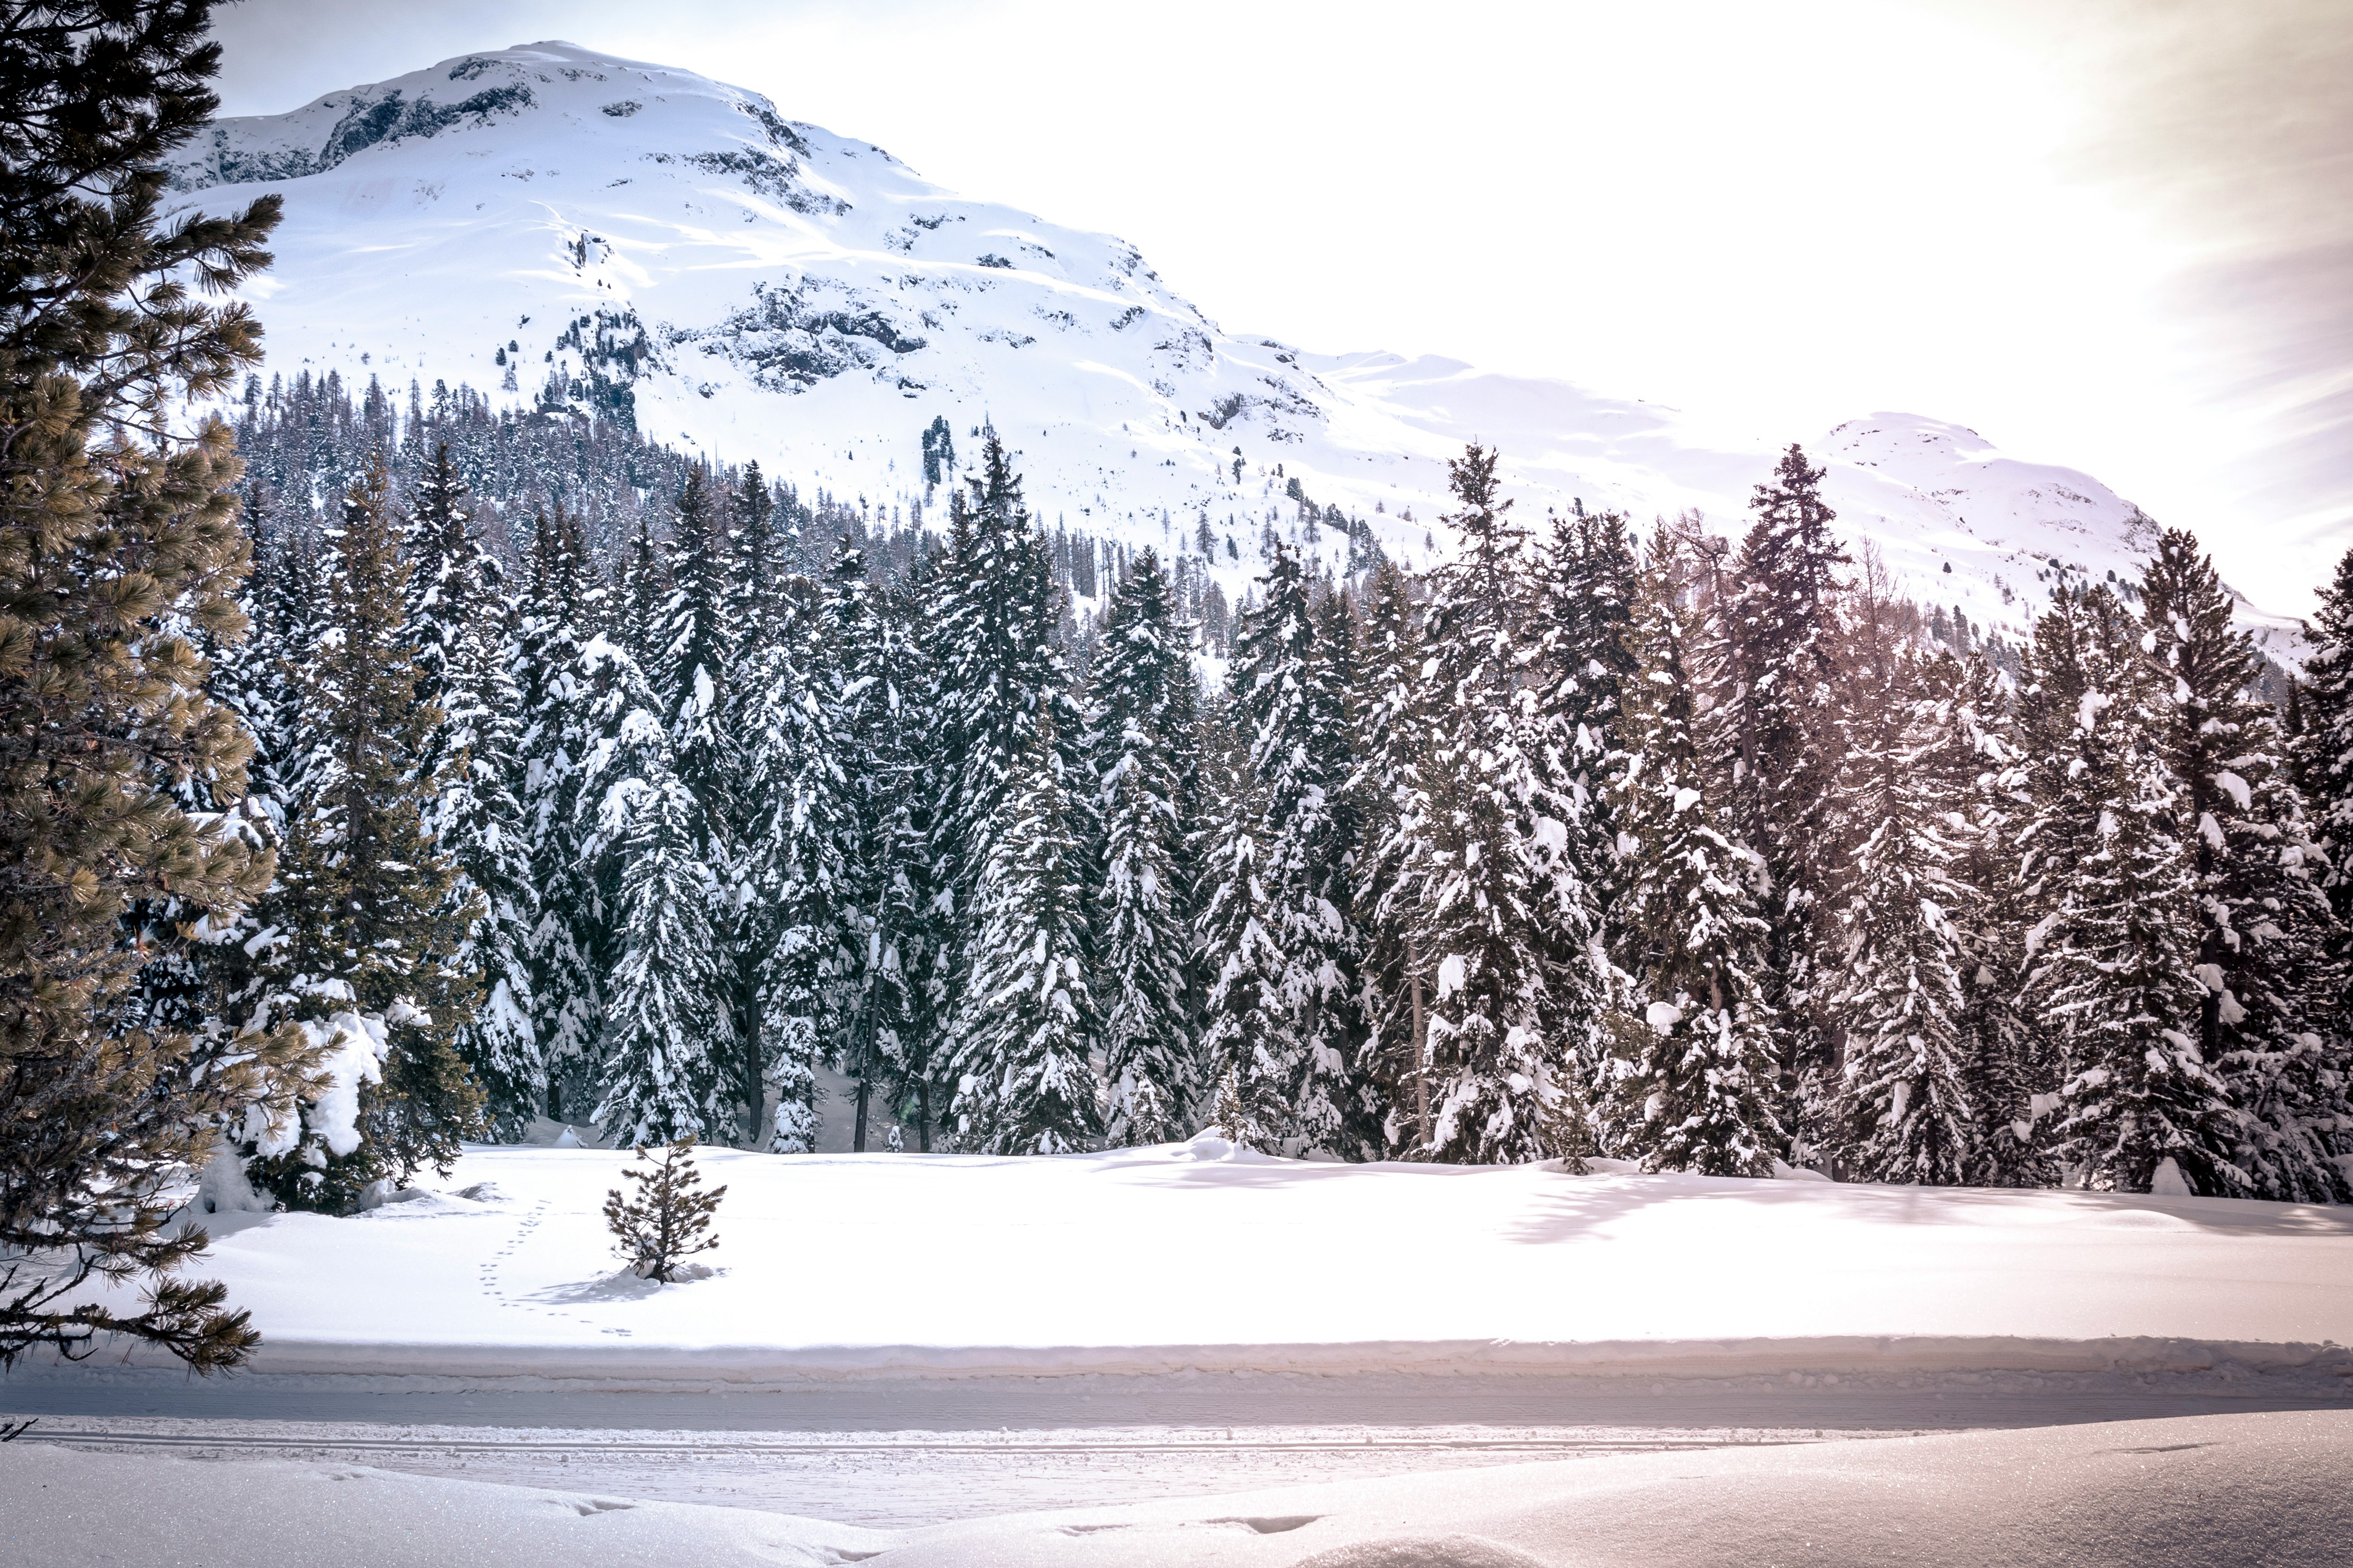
x,y
1184,1258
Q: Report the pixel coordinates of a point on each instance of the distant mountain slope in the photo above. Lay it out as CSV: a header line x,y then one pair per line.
x,y
568,227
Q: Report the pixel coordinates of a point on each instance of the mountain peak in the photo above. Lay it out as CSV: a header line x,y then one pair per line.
x,y
573,230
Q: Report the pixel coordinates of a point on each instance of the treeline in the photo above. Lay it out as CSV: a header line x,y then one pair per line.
x,y
1578,845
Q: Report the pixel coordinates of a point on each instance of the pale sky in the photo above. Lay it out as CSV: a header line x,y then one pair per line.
x,y
2113,234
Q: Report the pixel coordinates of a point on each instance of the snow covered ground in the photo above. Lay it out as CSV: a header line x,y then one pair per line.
x,y
909,1341
2211,1491
1186,1258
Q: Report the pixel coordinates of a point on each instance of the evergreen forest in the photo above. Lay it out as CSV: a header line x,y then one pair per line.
x,y
611,788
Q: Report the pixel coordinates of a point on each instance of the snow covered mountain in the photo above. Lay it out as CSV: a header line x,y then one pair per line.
x,y
559,225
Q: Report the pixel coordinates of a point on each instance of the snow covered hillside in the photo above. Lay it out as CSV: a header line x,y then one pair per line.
x,y
1192,1256
553,224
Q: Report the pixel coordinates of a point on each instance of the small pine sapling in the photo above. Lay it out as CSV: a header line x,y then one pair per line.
x,y
668,1220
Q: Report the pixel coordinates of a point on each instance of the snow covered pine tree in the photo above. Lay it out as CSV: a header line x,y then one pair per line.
x,y
1514,926
1276,948
1141,681
2115,953
462,627
1685,1087
370,913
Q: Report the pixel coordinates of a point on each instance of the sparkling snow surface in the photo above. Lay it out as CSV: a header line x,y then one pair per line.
x,y
2203,1492
1187,1257
812,302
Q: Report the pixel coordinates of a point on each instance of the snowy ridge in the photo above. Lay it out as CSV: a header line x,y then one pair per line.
x,y
549,223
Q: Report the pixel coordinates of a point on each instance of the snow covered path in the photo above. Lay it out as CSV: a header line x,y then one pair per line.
x,y
889,1479
2204,1492
1162,1261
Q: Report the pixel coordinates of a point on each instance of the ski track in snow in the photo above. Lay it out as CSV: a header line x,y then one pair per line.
x,y
896,1480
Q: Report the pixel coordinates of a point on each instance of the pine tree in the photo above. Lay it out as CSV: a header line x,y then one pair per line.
x,y
996,671
668,1220
373,915
691,662
2323,749
668,1041
460,632
113,545
551,752
939,451
1281,1017
1973,757
1901,1112
796,903
1521,981
1686,1083
254,676
1141,671
1247,1038
1778,623
911,941
1587,608
1393,781
1028,1026
2113,956
758,569
868,679
998,662
2263,950
1338,1034
443,574
640,593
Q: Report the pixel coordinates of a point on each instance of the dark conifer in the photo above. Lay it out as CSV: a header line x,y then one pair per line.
x,y
460,630
1900,1113
566,939
1394,783
1778,623
1590,574
2324,748
371,912
112,542
668,1220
